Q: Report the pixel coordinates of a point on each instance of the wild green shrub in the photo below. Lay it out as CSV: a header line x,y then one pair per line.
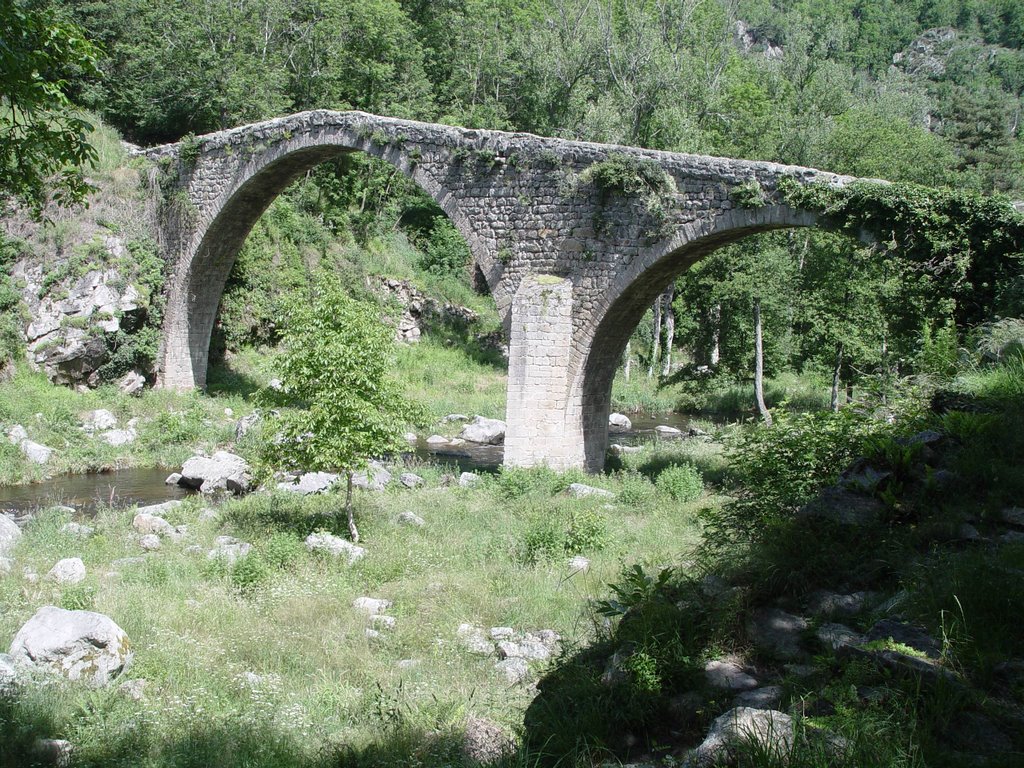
x,y
681,482
635,489
78,597
445,251
249,573
282,551
587,531
516,482
544,539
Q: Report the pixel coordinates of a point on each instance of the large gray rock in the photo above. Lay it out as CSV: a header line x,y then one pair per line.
x,y
334,546
159,509
10,533
229,549
37,453
371,606
119,437
581,491
619,422
776,632
483,430
132,383
221,472
146,523
99,420
375,478
768,731
310,483
729,673
81,645
70,570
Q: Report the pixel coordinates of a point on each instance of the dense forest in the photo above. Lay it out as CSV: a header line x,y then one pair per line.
x,y
923,92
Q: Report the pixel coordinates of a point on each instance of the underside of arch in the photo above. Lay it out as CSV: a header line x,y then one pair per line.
x,y
624,311
196,289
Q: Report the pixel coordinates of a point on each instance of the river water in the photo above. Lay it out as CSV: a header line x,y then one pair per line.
x,y
127,487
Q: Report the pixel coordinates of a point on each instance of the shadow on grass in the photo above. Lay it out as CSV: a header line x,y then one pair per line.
x,y
222,379
125,741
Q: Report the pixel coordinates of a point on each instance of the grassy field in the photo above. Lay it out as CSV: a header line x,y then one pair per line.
x,y
266,663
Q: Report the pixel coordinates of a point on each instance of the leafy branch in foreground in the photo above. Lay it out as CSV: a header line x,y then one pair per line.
x,y
341,405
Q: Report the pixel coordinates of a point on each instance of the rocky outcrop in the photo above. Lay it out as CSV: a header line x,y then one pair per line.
x,y
221,472
67,334
420,312
81,645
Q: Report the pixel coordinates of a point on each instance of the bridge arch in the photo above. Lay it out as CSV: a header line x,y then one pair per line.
x,y
632,293
209,237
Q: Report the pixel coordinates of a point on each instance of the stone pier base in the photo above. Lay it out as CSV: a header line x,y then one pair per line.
x,y
542,429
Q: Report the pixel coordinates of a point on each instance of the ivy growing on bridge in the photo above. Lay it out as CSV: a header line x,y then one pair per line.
x,y
961,245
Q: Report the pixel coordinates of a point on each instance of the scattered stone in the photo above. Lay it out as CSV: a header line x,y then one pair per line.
x,y
967,532
133,689
485,742
375,478
221,472
767,697
468,479
824,603
8,675
410,480
621,450
411,518
173,479
245,424
844,506
728,673
77,530
119,437
98,420
334,546
10,533
158,510
275,384
372,606
528,648
905,634
81,645
411,438
436,440
836,636
514,668
150,542
252,679
454,417
63,509
382,622
579,564
619,422
229,549
615,669
310,483
372,634
1012,537
147,523
771,731
408,663
36,452
484,431
17,434
208,515
55,752
70,570
193,549
132,383
501,633
580,491
776,632
474,640
1013,516
663,430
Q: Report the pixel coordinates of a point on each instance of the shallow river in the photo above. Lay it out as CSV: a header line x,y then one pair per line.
x,y
127,487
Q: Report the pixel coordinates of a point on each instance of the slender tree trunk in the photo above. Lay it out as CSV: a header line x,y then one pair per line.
x,y
834,402
716,329
759,366
656,341
627,360
353,532
670,330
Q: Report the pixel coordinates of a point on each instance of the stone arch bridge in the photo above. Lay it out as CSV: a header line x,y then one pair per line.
x,y
574,239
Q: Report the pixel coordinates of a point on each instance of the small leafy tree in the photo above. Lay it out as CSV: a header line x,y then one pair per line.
x,y
340,406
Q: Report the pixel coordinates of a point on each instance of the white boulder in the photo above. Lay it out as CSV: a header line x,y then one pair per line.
x,y
483,430
81,645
